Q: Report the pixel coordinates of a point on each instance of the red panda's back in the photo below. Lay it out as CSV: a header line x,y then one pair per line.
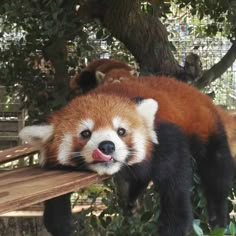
x,y
179,103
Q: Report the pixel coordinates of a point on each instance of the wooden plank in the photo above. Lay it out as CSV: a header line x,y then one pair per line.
x,y
26,186
12,154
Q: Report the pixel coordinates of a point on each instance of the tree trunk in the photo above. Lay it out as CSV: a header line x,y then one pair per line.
x,y
144,35
21,226
56,52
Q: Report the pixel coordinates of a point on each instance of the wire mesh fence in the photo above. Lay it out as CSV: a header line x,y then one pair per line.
x,y
188,36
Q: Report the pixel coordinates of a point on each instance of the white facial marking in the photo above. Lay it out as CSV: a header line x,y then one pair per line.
x,y
154,137
36,135
116,81
139,146
100,77
65,148
134,73
120,154
85,124
107,168
118,122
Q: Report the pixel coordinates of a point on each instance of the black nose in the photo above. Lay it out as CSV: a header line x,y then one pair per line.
x,y
107,147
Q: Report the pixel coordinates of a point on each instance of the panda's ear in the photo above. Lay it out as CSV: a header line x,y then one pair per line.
x,y
147,108
134,73
100,77
36,135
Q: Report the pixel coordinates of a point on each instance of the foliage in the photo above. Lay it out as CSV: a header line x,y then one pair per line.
x,y
28,28
220,14
113,220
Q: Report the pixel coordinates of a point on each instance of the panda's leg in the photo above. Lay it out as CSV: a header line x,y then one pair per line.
x,y
58,216
136,188
172,176
216,170
131,182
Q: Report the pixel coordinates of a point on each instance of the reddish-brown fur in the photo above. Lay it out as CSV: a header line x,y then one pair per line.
x,y
66,120
227,118
102,65
179,103
106,65
118,75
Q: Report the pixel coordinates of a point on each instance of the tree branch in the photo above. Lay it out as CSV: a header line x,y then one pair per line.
x,y
218,69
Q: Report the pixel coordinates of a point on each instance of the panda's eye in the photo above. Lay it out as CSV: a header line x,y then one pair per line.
x,y
86,134
121,132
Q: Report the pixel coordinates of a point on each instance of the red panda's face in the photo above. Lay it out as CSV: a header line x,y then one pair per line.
x,y
115,76
99,132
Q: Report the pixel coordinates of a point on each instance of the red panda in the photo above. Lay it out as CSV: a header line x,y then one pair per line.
x,y
92,75
147,129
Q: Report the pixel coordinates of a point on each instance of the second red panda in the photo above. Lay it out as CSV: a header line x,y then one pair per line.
x,y
92,75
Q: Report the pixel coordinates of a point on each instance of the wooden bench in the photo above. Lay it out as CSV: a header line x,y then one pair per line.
x,y
22,187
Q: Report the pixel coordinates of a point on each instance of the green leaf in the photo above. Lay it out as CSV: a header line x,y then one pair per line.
x,y
146,216
232,228
99,34
201,203
196,228
217,232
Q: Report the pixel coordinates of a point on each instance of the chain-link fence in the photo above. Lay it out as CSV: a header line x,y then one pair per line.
x,y
189,37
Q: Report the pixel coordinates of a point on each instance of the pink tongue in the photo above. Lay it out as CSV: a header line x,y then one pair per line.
x,y
99,156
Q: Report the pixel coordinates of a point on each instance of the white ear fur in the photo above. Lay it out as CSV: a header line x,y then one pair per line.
x,y
99,77
134,73
148,109
36,135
